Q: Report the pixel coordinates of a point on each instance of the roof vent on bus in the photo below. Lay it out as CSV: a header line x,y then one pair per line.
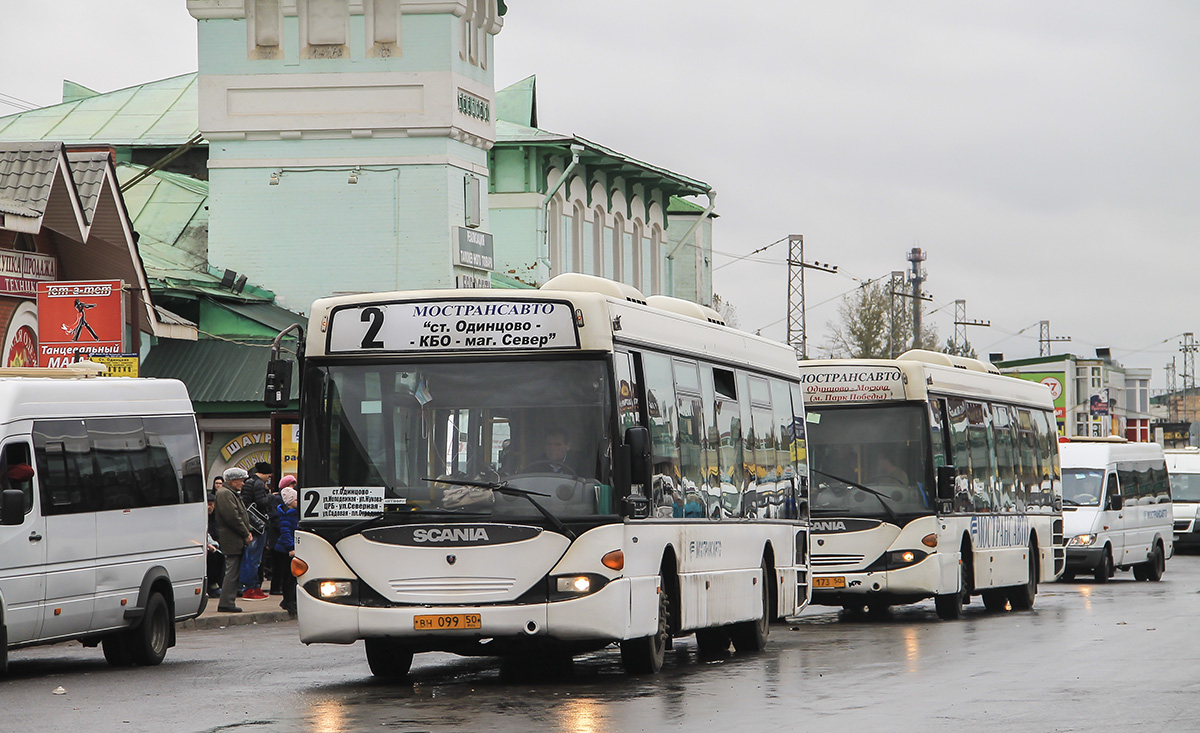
x,y
685,308
577,282
958,362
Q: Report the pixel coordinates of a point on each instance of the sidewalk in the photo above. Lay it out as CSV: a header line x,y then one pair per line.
x,y
253,612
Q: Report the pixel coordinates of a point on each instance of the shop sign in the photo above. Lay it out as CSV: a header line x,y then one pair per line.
x,y
20,272
79,319
119,365
474,249
23,352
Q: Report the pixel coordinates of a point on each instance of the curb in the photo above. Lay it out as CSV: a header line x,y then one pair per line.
x,y
247,618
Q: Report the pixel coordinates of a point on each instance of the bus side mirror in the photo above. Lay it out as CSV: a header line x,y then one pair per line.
x,y
946,476
279,384
12,507
637,441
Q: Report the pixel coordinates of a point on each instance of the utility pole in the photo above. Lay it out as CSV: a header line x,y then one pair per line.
x,y
961,323
1173,410
896,289
1188,347
916,257
797,335
1044,339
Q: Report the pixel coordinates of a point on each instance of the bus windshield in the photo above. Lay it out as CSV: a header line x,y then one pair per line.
x,y
1185,486
1082,486
870,461
413,428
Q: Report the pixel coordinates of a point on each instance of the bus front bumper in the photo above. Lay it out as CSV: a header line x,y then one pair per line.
x,y
603,615
901,585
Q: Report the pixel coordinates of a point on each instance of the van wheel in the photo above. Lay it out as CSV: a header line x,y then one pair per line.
x,y
1153,568
1104,570
647,654
388,659
117,651
3,650
751,636
150,639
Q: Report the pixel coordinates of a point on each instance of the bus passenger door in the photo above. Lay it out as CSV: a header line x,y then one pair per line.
x,y
22,549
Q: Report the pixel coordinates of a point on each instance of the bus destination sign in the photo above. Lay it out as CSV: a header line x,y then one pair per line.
x,y
453,325
851,383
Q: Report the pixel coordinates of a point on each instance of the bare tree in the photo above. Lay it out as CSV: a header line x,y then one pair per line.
x,y
866,328
727,310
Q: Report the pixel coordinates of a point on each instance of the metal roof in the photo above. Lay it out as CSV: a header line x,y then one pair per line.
x,y
158,113
217,373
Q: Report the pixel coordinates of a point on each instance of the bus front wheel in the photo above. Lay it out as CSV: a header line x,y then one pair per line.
x,y
949,606
646,655
751,636
388,659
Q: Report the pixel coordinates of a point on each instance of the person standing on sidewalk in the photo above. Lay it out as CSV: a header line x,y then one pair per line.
x,y
285,547
255,491
233,534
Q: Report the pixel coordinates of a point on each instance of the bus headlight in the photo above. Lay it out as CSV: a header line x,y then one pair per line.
x,y
330,589
563,587
1082,540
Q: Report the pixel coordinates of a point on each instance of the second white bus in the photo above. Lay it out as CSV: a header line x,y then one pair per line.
x,y
934,476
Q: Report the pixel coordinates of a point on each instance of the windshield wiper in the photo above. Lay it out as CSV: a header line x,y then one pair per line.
x,y
891,512
504,488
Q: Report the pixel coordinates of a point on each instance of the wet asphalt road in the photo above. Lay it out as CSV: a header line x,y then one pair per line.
x,y
1121,656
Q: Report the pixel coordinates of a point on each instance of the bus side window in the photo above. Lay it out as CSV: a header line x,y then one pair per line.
x,y
685,501
68,480
937,432
964,497
627,393
16,471
664,440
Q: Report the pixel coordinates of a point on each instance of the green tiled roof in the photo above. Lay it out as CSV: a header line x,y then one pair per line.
x,y
221,376
157,113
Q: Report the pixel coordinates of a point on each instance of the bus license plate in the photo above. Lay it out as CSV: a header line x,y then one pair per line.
x,y
447,622
834,581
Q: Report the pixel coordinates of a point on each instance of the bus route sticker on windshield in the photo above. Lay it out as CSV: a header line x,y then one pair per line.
x,y
453,325
342,502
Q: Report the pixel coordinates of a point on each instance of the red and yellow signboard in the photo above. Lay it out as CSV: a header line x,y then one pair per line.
x,y
78,319
23,352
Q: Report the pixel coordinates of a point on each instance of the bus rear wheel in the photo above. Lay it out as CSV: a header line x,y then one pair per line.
x,y
712,643
751,636
995,599
388,658
647,654
1021,597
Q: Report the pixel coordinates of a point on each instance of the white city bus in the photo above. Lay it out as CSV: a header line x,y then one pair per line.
x,y
543,473
933,476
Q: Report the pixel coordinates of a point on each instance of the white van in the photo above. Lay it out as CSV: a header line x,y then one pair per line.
x,y
102,512
1116,508
1184,466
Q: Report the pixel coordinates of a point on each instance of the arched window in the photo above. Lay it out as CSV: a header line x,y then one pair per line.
x,y
598,228
577,239
655,261
618,259
635,262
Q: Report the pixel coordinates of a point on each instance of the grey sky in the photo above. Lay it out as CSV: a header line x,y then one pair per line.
x,y
1044,155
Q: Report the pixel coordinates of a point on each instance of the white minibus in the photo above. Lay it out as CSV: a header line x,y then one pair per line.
x,y
1183,465
102,512
1116,507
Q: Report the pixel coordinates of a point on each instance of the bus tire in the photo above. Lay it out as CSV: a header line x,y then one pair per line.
x,y
1104,569
150,639
1022,596
388,658
3,648
751,636
949,606
995,599
647,654
712,643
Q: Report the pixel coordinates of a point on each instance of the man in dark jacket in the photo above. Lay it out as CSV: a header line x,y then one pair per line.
x,y
233,534
255,492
